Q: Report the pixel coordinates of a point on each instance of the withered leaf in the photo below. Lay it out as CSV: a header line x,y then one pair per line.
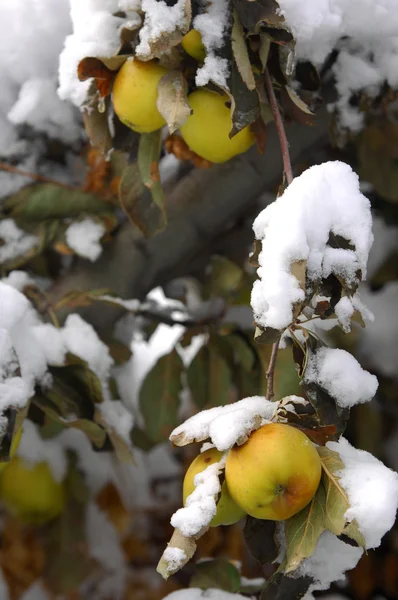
x,y
240,53
172,100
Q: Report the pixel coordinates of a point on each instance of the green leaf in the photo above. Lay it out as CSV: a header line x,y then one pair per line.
x,y
217,574
241,54
244,353
245,103
66,540
159,397
260,537
284,588
172,100
337,502
303,530
209,378
225,277
44,201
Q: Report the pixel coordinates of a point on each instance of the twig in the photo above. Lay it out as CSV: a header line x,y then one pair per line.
x,y
287,167
270,373
35,176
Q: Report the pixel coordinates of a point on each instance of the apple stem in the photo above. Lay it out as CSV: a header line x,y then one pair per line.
x,y
287,167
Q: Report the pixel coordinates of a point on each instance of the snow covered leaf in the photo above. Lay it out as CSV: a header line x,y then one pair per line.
x,y
260,537
164,27
240,53
218,573
209,378
172,100
225,425
44,201
179,551
303,530
159,397
337,502
117,422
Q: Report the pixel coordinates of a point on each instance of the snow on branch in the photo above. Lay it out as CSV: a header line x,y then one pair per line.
x,y
320,226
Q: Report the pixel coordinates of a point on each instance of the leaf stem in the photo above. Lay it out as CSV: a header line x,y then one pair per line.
x,y
287,167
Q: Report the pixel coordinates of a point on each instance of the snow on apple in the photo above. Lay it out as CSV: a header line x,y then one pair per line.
x,y
295,229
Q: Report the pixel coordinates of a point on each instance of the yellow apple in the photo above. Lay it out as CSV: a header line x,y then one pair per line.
x,y
14,447
30,492
135,93
206,131
227,511
275,473
193,45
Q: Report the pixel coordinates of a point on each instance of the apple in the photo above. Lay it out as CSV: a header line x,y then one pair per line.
x,y
275,474
207,129
30,492
227,511
135,94
193,45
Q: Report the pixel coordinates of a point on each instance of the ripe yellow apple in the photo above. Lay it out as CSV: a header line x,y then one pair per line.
x,y
206,131
14,447
227,511
275,473
193,45
135,93
30,492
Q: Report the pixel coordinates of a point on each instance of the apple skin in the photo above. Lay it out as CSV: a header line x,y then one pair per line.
x,y
275,474
227,511
30,492
135,94
206,131
193,45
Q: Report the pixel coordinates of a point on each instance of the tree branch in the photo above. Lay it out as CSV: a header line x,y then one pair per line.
x,y
35,176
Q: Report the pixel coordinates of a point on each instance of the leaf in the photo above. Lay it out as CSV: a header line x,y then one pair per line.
x,y
79,299
85,378
167,567
337,502
295,107
244,353
240,53
260,537
209,378
245,104
96,125
303,530
172,100
65,540
144,207
91,67
284,587
256,12
266,336
43,201
224,278
218,573
159,397
123,449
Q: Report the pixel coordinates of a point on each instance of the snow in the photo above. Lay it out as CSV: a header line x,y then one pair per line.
x,y
14,241
213,26
160,20
103,540
325,569
35,592
372,491
296,227
84,238
96,33
225,425
209,594
201,506
369,48
176,558
340,374
34,449
117,417
378,341
18,280
81,339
